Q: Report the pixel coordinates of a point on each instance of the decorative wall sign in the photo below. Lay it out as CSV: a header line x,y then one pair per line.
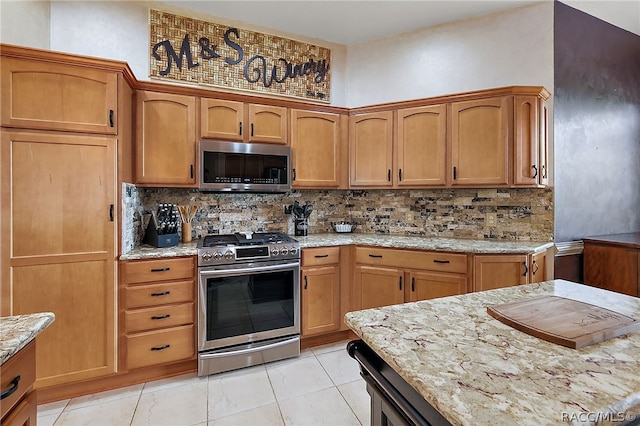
x,y
200,52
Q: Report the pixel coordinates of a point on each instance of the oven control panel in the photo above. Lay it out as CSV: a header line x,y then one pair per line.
x,y
228,255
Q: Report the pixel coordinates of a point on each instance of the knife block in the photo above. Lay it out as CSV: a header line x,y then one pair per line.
x,y
151,237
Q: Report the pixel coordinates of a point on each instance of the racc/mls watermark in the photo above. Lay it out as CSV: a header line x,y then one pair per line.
x,y
599,417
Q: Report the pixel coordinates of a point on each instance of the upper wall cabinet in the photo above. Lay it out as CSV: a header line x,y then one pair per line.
x,y
237,121
371,149
421,146
316,146
480,140
51,96
165,139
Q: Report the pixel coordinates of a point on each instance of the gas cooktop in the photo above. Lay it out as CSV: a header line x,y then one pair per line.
x,y
246,247
246,239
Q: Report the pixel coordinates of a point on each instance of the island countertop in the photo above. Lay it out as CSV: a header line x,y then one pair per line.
x,y
374,240
475,370
17,331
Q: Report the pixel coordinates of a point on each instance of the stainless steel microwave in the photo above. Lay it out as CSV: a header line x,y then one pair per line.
x,y
244,167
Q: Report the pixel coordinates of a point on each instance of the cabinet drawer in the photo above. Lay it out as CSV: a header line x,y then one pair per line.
x,y
158,317
320,256
160,347
425,260
157,270
142,296
22,364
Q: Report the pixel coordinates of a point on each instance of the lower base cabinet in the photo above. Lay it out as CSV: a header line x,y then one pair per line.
x,y
388,276
158,300
499,271
431,285
613,263
320,291
19,407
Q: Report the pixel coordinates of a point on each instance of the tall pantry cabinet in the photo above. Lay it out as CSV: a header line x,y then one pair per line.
x,y
59,205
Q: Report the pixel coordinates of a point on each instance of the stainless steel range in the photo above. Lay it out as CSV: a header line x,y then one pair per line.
x,y
248,300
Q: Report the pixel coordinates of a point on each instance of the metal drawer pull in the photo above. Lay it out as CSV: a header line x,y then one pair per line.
x,y
159,317
526,269
160,348
164,293
376,255
413,284
440,261
9,391
400,283
536,267
161,269
319,256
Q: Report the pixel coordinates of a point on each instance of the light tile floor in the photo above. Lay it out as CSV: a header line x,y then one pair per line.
x,y
321,387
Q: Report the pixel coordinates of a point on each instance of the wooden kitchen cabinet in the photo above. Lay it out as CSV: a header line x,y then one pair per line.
x,y
498,271
20,407
390,276
165,139
371,149
423,285
378,286
530,152
421,147
51,96
317,149
158,311
612,262
58,242
320,310
242,122
480,141
543,142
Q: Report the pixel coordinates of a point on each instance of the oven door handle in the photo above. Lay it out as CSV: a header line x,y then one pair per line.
x,y
257,348
205,272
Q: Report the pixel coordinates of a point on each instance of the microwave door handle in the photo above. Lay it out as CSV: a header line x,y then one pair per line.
x,y
244,271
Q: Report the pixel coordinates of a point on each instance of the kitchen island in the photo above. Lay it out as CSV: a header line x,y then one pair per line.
x,y
475,370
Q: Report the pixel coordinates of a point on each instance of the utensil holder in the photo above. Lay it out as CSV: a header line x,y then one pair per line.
x,y
301,227
186,232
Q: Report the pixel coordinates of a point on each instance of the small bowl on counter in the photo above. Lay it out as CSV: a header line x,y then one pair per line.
x,y
343,227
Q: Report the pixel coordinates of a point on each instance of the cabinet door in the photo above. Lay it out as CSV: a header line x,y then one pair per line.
x,y
267,124
221,119
526,168
371,149
320,299
421,146
376,286
480,139
612,268
49,96
58,242
538,267
315,147
497,271
543,146
25,413
165,139
423,285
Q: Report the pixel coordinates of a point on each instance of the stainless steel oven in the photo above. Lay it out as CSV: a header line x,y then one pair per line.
x,y
248,302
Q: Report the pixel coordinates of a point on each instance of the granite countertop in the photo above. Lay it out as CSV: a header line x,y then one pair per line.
x,y
18,331
476,370
388,241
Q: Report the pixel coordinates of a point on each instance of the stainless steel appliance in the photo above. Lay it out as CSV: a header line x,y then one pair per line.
x,y
245,167
248,300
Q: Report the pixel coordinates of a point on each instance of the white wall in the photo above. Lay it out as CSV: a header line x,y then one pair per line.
x,y
25,23
502,49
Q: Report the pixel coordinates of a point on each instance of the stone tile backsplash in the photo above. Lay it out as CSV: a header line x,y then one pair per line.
x,y
522,214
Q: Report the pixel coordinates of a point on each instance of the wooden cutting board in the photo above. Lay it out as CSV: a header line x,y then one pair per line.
x,y
564,321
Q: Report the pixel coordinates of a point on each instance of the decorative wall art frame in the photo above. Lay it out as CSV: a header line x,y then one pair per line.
x,y
198,52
